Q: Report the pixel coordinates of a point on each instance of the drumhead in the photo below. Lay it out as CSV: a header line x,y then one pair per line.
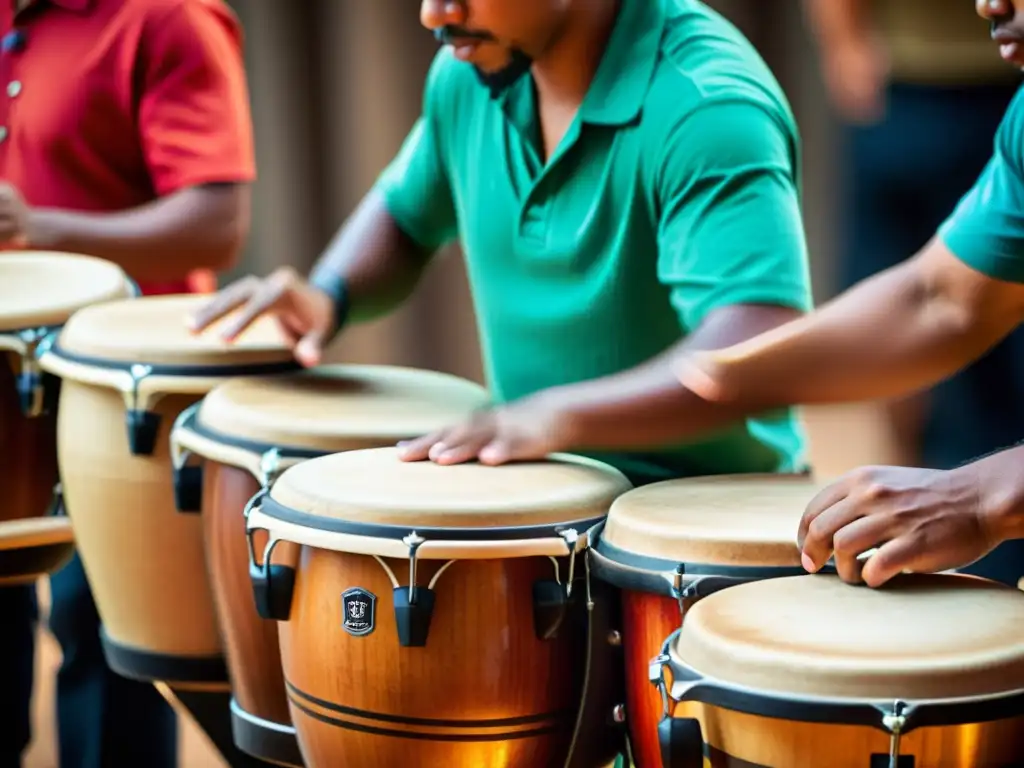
x,y
335,408
728,520
364,492
152,331
921,637
40,289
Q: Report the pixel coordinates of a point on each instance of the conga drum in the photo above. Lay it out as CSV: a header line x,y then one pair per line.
x,y
237,440
669,544
926,672
427,621
38,293
127,370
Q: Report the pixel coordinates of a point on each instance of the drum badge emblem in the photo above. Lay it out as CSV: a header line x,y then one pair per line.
x,y
358,609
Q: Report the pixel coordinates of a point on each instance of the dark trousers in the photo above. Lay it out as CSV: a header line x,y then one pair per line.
x,y
904,176
104,720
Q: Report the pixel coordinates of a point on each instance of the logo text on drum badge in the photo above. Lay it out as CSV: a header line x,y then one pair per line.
x,y
358,608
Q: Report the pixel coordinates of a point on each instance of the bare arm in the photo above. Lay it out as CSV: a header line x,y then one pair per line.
x,y
900,331
644,406
198,227
379,263
835,22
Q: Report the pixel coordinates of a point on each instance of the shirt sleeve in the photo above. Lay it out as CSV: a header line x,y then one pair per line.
x,y
416,186
986,229
730,229
195,122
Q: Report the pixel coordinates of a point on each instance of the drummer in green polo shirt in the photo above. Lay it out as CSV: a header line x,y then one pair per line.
x,y
622,176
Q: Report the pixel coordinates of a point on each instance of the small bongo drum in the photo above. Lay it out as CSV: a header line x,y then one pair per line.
x,y
245,432
427,621
669,544
927,672
128,369
38,293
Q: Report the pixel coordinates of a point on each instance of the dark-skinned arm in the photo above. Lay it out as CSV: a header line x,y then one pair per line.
x,y
900,331
644,407
201,227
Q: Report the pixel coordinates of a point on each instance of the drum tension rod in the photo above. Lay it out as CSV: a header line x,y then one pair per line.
x,y
414,605
894,722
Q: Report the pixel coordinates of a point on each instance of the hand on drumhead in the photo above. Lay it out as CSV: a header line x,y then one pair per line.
x,y
522,431
920,520
304,313
14,218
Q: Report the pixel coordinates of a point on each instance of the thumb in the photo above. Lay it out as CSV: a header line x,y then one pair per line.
x,y
310,349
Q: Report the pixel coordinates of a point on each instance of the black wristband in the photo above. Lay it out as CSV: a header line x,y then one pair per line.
x,y
335,286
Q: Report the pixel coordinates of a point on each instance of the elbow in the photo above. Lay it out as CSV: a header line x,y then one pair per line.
x,y
226,233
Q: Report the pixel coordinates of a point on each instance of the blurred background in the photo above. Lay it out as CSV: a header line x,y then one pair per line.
x,y
336,84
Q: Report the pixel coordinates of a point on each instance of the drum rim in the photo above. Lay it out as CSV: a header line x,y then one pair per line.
x,y
689,684
51,346
285,514
190,421
671,578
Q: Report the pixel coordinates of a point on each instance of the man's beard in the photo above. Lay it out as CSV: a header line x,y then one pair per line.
x,y
498,81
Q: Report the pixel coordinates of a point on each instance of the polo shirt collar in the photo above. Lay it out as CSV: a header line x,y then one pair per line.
x,y
623,77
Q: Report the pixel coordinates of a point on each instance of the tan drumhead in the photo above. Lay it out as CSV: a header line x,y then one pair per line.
x,y
45,289
724,520
919,637
375,487
152,330
338,407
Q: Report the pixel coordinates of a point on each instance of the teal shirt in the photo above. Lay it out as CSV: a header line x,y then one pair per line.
x,y
675,192
986,231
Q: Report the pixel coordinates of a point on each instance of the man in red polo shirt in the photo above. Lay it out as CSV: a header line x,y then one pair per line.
x,y
125,133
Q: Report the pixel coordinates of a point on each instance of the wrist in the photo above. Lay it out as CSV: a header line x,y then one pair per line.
x,y
335,287
41,229
1000,487
564,424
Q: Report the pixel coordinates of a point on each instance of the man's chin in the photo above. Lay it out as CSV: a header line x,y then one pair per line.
x,y
497,81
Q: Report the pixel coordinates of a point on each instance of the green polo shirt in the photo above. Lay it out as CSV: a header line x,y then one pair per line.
x,y
675,192
986,230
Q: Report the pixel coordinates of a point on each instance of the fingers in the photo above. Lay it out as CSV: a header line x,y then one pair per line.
x,y
819,543
225,301
892,558
310,348
852,541
419,449
825,498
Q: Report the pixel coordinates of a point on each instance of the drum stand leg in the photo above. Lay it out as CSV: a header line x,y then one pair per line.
x,y
211,711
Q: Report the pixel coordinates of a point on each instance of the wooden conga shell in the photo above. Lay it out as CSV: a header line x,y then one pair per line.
x,y
39,291
735,527
293,417
145,562
481,687
810,640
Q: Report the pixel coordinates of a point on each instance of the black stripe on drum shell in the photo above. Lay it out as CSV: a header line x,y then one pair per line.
x,y
275,509
421,736
341,709
168,369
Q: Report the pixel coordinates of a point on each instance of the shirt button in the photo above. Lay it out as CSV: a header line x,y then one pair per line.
x,y
13,88
3,133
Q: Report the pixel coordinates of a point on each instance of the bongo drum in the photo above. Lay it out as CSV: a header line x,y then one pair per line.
x,y
244,433
38,293
669,544
926,672
128,368
427,621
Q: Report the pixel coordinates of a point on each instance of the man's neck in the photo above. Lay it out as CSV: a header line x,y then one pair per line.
x,y
564,72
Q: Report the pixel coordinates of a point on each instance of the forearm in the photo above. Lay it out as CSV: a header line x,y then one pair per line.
x,y
898,332
157,242
645,407
836,22
379,263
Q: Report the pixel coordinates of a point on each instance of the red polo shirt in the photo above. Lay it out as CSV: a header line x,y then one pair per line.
x,y
106,105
